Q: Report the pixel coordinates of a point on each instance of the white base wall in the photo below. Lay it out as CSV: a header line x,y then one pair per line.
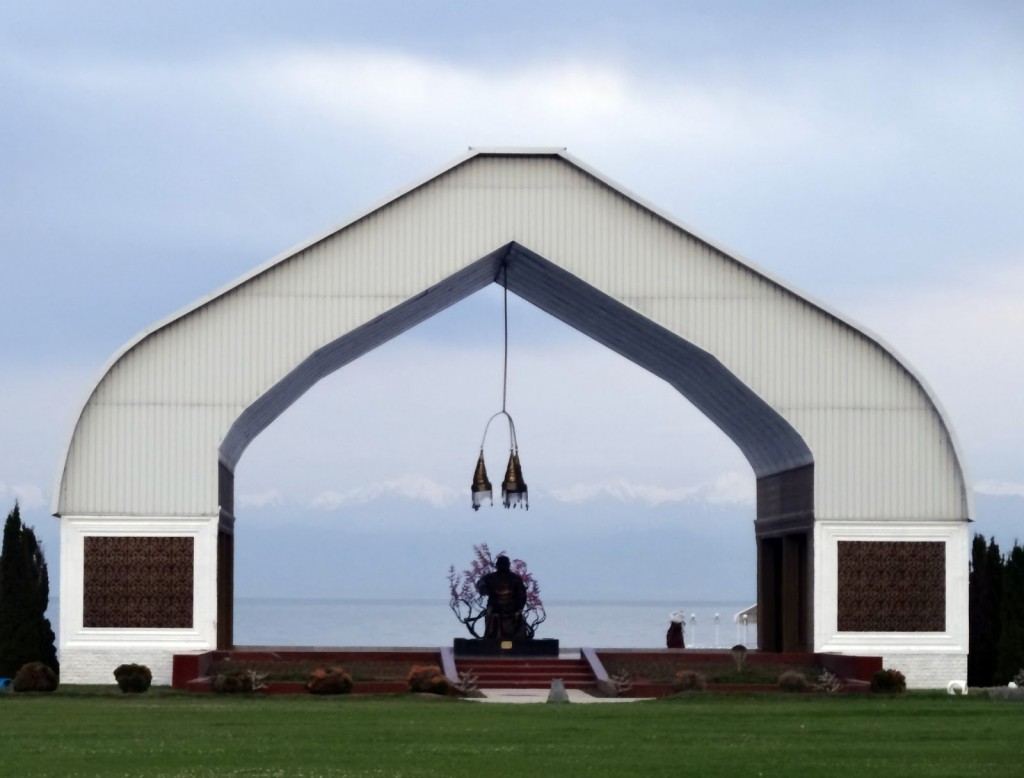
x,y
928,660
96,665
928,671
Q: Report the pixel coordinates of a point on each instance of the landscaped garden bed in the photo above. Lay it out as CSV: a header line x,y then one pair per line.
x,y
290,671
632,673
665,672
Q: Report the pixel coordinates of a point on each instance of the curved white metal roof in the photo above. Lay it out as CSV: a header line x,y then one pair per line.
x,y
790,381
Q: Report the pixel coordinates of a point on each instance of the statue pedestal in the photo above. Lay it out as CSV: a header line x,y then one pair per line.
x,y
482,647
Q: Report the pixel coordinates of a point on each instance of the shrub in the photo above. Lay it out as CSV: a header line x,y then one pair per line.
x,y
621,681
888,682
468,684
35,677
229,683
428,679
829,682
133,678
793,681
689,681
238,682
25,633
329,680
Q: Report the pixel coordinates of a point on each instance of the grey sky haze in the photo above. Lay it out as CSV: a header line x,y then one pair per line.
x,y
867,153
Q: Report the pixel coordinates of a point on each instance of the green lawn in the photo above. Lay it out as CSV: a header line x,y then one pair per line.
x,y
164,733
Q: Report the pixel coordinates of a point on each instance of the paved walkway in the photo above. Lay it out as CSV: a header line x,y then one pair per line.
x,y
541,695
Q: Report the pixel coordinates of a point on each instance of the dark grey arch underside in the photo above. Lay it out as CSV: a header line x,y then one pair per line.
x,y
769,443
779,457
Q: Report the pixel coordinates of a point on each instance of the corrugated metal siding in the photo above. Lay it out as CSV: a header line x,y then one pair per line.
x,y
148,440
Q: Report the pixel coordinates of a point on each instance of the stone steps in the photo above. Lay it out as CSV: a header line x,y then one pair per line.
x,y
502,673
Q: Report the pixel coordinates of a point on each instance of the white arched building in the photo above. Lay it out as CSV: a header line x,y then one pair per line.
x,y
862,510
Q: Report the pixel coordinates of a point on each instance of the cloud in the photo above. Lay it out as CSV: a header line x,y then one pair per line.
x,y
27,495
732,489
567,98
265,499
624,492
409,487
415,98
728,489
958,332
1000,488
311,101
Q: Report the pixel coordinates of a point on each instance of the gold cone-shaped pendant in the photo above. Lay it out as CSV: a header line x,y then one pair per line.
x,y
513,488
481,486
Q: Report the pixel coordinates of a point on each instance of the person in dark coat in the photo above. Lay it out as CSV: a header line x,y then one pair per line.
x,y
506,598
674,637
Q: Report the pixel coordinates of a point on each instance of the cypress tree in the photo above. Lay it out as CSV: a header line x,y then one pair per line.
x,y
25,632
1010,656
985,598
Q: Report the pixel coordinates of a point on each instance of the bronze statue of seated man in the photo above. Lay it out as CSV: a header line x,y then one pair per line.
x,y
506,598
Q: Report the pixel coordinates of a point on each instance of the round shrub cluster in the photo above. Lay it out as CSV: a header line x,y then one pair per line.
x,y
329,680
133,678
230,677
689,681
793,681
888,682
35,677
230,683
429,679
830,682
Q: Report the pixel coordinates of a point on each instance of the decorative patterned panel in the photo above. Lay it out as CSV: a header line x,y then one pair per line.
x,y
138,582
892,586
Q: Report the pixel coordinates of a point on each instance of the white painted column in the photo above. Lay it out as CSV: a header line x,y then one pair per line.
x,y
88,655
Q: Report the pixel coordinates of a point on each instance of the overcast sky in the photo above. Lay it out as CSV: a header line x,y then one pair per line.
x,y
868,153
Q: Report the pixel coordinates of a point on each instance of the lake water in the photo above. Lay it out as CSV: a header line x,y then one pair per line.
x,y
351,622
431,623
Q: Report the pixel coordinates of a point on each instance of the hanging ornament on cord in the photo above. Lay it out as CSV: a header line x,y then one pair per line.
x,y
513,489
